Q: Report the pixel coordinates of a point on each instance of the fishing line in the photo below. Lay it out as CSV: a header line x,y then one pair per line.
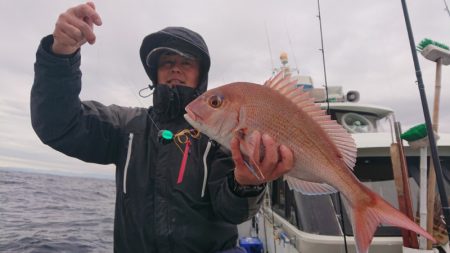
x,y
264,224
328,112
270,49
269,198
292,48
342,220
446,7
164,136
322,49
273,221
151,88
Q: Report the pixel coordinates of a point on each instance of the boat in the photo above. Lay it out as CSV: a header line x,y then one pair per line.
x,y
292,222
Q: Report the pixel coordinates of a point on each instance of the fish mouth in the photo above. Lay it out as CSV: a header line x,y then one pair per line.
x,y
192,115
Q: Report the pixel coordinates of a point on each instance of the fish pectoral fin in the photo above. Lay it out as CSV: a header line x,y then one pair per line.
x,y
309,188
240,133
259,175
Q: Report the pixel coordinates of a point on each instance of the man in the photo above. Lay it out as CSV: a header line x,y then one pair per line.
x,y
158,208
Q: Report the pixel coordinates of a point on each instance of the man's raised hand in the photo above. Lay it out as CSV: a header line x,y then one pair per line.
x,y
74,28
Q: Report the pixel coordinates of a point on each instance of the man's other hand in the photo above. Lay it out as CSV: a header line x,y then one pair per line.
x,y
265,156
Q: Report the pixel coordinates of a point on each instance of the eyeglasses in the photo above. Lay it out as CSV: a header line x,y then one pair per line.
x,y
170,59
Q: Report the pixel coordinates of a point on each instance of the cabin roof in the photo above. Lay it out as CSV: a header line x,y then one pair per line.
x,y
379,111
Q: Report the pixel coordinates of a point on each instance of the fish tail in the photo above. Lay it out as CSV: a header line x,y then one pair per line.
x,y
366,219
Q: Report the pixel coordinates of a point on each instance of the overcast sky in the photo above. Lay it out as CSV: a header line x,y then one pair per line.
x,y
366,48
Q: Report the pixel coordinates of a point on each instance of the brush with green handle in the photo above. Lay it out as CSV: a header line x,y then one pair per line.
x,y
417,138
439,53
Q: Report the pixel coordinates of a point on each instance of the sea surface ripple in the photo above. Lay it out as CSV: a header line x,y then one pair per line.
x,y
49,213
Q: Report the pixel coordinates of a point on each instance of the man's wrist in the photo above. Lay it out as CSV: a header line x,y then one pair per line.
x,y
244,190
47,45
63,51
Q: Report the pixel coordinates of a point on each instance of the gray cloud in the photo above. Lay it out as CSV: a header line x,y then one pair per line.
x,y
366,50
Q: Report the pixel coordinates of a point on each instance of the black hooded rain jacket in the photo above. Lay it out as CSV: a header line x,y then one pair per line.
x,y
153,213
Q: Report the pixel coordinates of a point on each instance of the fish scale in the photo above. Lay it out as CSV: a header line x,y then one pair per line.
x,y
299,137
324,153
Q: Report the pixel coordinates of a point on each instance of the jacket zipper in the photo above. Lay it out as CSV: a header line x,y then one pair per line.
x,y
125,173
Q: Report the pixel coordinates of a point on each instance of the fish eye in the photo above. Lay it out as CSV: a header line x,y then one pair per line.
x,y
215,101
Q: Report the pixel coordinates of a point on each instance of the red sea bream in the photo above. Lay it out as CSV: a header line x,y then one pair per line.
x,y
324,153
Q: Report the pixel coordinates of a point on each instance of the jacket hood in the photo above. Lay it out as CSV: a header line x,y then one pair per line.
x,y
182,39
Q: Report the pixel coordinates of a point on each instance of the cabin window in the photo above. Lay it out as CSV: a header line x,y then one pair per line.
x,y
283,200
357,122
321,214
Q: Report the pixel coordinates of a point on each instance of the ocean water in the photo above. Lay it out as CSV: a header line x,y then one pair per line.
x,y
49,213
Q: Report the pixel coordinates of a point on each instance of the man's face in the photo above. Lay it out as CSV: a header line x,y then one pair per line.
x,y
174,69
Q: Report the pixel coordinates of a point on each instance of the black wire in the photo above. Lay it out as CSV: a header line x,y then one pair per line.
x,y
150,87
154,123
426,114
328,112
446,8
273,222
341,211
323,57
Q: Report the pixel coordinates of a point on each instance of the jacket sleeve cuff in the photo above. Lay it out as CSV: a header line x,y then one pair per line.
x,y
243,190
56,74
228,205
243,207
46,56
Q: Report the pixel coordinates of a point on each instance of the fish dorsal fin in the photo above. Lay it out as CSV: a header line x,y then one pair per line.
x,y
286,86
309,188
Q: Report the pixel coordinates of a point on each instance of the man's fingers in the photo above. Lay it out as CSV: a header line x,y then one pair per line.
x,y
67,39
236,152
74,28
67,35
91,4
85,25
287,158
88,10
255,145
84,19
72,33
96,18
277,159
271,152
286,163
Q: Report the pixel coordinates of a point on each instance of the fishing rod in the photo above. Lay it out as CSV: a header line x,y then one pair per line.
x,y
270,49
426,113
292,49
446,7
322,49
